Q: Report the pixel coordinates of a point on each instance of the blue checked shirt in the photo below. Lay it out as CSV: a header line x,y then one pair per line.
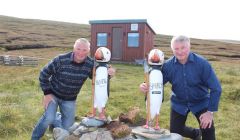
x,y
194,84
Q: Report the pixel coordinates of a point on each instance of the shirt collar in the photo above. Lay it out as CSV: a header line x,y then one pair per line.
x,y
190,58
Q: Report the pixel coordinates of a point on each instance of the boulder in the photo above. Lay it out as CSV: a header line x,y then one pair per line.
x,y
133,117
118,130
59,133
92,122
97,135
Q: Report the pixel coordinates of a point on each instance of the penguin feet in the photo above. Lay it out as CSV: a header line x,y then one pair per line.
x,y
145,126
102,116
157,127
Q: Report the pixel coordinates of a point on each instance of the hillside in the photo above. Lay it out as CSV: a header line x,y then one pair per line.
x,y
16,33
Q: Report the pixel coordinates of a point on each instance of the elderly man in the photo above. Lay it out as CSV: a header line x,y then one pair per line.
x,y
61,80
195,88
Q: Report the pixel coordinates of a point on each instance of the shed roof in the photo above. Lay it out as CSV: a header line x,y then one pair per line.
x,y
121,21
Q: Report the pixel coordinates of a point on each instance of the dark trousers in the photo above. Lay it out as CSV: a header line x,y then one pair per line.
x,y
177,125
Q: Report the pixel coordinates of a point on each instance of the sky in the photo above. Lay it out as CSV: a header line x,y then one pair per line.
x,y
206,19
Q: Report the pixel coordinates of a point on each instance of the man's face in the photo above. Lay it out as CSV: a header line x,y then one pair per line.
x,y
181,51
80,51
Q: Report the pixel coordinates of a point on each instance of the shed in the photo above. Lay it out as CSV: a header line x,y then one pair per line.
x,y
128,40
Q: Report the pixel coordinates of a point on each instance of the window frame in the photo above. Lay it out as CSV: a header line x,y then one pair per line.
x,y
138,43
106,39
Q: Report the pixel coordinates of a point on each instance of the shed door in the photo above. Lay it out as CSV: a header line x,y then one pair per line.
x,y
117,43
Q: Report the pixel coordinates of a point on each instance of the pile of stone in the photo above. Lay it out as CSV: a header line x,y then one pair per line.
x,y
93,129
122,128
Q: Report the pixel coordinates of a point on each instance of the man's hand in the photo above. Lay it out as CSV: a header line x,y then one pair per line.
x,y
46,100
144,88
111,71
206,120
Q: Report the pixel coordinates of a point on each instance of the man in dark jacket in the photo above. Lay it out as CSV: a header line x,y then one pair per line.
x,y
195,88
61,80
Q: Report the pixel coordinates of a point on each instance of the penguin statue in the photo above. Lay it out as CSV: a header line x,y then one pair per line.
x,y
154,80
100,81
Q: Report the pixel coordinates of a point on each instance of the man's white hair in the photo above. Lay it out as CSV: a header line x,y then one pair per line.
x,y
82,41
181,39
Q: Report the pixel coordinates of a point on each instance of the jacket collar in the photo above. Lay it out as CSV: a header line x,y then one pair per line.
x,y
190,58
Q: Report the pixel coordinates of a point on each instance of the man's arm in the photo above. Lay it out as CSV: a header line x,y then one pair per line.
x,y
213,84
211,81
165,73
47,71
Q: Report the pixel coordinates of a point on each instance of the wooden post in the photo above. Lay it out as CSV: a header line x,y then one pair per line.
x,y
146,78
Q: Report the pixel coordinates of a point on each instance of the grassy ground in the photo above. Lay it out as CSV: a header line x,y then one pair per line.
x,y
20,98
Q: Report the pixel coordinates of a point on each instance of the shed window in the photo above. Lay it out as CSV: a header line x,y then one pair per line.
x,y
101,39
133,39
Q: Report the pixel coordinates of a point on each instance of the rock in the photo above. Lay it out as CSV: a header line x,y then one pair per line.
x,y
100,134
59,133
92,122
113,124
173,136
121,131
89,136
118,130
109,119
73,127
132,117
104,135
82,129
129,137
72,137
151,133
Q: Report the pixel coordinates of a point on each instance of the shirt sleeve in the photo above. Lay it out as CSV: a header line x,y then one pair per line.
x,y
48,70
165,74
211,81
91,74
92,67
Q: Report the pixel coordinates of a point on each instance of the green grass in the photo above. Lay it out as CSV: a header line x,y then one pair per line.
x,y
20,99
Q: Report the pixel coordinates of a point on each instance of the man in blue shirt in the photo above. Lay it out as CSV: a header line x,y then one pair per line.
x,y
195,88
61,80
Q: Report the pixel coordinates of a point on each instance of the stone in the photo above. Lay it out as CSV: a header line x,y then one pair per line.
x,y
92,122
173,136
104,135
118,130
97,135
82,129
132,117
59,133
73,127
72,137
151,133
89,136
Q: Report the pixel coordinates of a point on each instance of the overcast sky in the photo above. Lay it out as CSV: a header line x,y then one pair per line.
x,y
212,19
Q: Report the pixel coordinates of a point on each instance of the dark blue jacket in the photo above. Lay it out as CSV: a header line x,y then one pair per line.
x,y
194,84
63,77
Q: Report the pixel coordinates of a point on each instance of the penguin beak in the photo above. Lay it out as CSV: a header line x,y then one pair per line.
x,y
155,58
99,55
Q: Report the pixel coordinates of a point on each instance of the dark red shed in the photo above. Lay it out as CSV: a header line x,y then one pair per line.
x,y
128,40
